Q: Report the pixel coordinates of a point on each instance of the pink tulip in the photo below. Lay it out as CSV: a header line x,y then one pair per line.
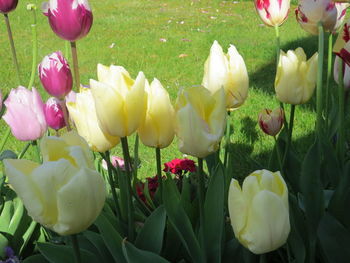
x,y
272,12
346,72
115,160
7,6
25,114
310,12
54,115
55,75
69,19
270,121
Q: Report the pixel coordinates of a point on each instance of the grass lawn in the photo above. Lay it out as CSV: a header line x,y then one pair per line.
x,y
170,40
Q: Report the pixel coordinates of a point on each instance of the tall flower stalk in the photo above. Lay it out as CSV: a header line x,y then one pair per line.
x,y
32,8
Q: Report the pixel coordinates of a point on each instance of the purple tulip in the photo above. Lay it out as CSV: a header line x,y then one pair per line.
x,y
54,115
69,19
7,6
25,114
55,75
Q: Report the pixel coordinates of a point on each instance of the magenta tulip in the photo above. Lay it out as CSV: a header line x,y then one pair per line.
x,y
7,6
25,114
69,19
54,115
55,75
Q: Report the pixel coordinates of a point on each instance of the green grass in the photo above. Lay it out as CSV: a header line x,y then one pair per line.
x,y
189,27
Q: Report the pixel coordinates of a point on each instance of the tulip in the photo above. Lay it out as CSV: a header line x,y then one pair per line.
x,y
55,75
259,211
120,101
7,6
200,120
65,193
54,115
271,122
346,72
331,14
25,114
157,130
69,19
272,12
83,113
116,162
227,71
342,44
295,78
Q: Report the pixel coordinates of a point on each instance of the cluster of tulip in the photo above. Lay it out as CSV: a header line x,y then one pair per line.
x,y
66,194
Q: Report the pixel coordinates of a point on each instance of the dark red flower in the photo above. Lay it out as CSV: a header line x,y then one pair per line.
x,y
152,188
178,166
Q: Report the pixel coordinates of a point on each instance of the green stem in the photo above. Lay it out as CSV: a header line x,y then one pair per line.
x,y
24,150
13,49
159,173
35,49
319,91
262,258
37,150
278,44
65,114
227,139
66,49
278,155
329,68
106,157
136,161
290,133
201,189
4,139
27,235
341,105
128,190
76,249
75,64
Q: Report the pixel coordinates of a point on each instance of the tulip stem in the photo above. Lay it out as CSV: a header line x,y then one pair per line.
x,y
278,44
24,150
262,258
75,64
65,114
76,249
4,140
13,49
329,68
159,173
128,190
201,197
319,99
66,51
35,49
278,155
290,132
341,103
106,157
37,150
227,139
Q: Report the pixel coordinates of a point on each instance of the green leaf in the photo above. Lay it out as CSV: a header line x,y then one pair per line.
x,y
97,241
135,255
214,215
35,259
334,239
180,221
7,211
153,229
64,254
7,154
17,216
3,244
111,238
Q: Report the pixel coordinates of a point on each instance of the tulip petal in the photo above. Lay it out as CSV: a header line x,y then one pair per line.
x,y
237,207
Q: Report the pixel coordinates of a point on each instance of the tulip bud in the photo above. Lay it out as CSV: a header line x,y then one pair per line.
x,y
200,120
55,75
65,193
227,71
116,161
25,114
259,211
157,130
271,122
120,101
7,6
345,70
83,114
272,12
331,14
69,19
295,78
54,115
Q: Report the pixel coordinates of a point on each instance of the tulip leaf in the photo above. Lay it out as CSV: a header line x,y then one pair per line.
x,y
111,238
332,169
135,255
17,216
7,211
214,215
3,244
7,154
180,221
334,239
312,189
153,229
64,254
35,259
98,243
